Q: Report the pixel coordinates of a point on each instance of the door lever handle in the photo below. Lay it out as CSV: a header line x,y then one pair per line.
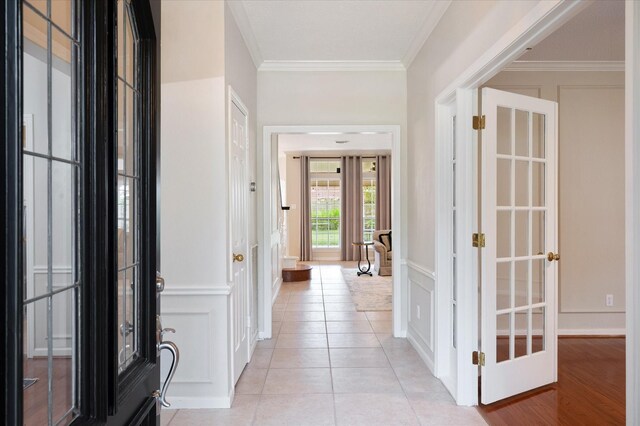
x,y
159,283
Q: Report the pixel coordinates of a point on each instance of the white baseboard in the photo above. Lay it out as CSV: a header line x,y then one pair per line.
x,y
178,403
592,332
421,351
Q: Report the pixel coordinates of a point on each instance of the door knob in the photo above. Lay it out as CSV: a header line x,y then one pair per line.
x,y
553,256
238,257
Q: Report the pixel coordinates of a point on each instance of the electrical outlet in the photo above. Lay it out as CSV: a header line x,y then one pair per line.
x,y
418,311
609,300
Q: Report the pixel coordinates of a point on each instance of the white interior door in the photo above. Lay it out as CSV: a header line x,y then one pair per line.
x,y
518,218
239,188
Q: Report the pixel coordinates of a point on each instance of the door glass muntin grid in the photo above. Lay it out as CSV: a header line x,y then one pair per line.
x,y
52,189
128,188
520,225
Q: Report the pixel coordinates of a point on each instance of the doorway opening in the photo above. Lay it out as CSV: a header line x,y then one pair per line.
x,y
580,87
273,214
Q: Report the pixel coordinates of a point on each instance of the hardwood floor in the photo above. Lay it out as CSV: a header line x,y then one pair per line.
x,y
36,396
590,389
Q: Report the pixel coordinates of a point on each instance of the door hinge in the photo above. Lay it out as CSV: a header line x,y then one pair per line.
x,y
477,358
478,240
478,122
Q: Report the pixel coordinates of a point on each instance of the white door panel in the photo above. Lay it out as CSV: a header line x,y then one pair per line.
x,y
518,218
238,211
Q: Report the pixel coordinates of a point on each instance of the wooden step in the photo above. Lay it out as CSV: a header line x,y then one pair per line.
x,y
301,272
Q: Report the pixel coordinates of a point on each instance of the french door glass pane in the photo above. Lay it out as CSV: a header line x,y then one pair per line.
x,y
522,183
503,226
521,283
503,285
537,139
503,326
522,133
538,320
521,332
504,131
503,190
520,233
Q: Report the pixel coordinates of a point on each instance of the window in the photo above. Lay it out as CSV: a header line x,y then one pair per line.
x,y
128,187
324,178
368,198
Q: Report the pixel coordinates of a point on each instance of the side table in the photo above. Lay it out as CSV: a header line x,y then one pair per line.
x,y
366,245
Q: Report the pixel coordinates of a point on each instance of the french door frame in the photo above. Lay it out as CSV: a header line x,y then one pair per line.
x,y
102,395
541,21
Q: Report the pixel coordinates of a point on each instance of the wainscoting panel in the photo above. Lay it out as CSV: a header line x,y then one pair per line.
x,y
421,312
201,318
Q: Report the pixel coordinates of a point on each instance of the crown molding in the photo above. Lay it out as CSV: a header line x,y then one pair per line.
x,y
332,66
438,8
566,66
242,20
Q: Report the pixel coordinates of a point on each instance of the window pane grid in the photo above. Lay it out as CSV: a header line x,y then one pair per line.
x,y
368,204
129,184
325,211
52,227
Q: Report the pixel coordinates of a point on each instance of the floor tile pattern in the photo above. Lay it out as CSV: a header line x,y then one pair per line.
x,y
328,364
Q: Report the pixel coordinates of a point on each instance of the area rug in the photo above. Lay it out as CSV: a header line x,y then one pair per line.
x,y
369,293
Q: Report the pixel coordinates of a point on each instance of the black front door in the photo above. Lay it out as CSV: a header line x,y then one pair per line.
x,y
78,201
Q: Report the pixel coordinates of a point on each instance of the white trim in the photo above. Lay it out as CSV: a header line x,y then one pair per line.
x,y
265,209
179,403
413,338
437,11
242,20
591,332
197,290
288,66
420,269
566,66
541,21
632,209
544,19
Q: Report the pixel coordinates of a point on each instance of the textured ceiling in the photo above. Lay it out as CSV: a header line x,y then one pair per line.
x,y
595,34
331,30
357,142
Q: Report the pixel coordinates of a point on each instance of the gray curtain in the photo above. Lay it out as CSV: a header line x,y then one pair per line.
x,y
351,203
383,192
305,210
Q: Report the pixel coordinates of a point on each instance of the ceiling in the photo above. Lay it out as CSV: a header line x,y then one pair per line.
x,y
327,142
336,31
595,34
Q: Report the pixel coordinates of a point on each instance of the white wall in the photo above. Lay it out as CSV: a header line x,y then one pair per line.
x,y
203,53
591,195
462,36
331,98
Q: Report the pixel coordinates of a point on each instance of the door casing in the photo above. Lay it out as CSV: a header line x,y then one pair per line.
x,y
539,23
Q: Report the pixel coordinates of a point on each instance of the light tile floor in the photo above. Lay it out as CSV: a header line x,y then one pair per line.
x,y
330,365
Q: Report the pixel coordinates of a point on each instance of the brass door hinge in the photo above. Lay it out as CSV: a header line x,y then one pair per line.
x,y
477,358
478,240
478,122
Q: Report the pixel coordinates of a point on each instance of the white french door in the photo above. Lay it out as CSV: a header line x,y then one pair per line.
x,y
518,263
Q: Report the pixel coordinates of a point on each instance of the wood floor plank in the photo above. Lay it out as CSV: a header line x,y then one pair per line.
x,y
590,389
